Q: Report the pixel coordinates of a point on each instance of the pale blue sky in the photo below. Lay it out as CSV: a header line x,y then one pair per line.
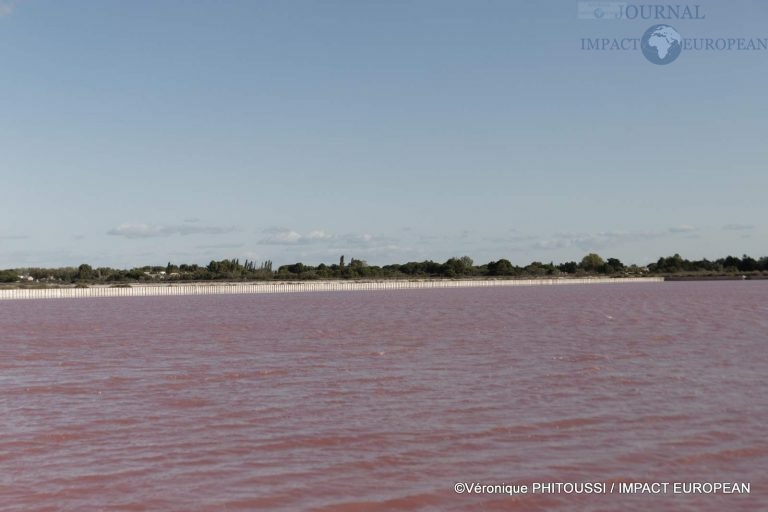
x,y
140,132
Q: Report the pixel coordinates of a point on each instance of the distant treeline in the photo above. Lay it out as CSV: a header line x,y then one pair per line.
x,y
233,269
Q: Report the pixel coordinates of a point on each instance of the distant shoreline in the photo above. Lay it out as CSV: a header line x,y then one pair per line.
x,y
270,287
735,277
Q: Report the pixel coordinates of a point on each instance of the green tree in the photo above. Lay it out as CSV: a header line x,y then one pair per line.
x,y
536,268
357,268
457,267
748,264
500,268
591,262
135,274
85,272
612,266
8,276
671,264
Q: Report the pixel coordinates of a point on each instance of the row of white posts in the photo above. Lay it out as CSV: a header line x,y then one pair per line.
x,y
298,286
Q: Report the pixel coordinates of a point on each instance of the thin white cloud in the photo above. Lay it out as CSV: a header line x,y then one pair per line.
x,y
514,238
682,228
552,243
220,246
319,235
280,236
289,237
361,239
155,231
738,227
590,241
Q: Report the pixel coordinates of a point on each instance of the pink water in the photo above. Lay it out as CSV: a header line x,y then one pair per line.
x,y
385,400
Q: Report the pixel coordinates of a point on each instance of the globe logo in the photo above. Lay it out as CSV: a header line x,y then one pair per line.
x,y
661,44
599,13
